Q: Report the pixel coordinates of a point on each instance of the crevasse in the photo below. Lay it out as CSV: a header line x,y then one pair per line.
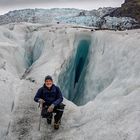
x,y
72,78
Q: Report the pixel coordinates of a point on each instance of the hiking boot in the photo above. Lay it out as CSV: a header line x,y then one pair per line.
x,y
56,125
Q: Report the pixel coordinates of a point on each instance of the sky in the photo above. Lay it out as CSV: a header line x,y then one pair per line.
x,y
9,5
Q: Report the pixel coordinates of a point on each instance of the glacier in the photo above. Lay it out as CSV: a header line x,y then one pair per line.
x,y
94,18
101,86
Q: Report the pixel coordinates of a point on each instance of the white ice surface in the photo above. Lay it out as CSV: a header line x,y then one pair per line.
x,y
113,75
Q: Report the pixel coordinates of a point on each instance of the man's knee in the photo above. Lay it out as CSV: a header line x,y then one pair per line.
x,y
61,106
45,113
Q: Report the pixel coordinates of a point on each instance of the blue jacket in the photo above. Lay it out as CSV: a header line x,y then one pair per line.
x,y
52,96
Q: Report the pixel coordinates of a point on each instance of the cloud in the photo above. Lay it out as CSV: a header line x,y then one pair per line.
x,y
32,2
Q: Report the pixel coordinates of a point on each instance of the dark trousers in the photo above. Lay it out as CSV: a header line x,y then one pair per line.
x,y
57,109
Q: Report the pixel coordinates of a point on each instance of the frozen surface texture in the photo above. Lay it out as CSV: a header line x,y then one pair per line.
x,y
102,68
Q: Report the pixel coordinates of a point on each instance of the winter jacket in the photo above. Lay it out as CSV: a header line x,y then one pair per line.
x,y
50,96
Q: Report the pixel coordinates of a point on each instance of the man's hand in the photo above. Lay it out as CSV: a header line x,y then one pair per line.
x,y
41,101
51,107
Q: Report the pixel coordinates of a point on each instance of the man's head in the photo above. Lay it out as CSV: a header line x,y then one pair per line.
x,y
48,81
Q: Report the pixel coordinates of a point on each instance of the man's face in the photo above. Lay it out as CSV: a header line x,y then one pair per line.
x,y
48,83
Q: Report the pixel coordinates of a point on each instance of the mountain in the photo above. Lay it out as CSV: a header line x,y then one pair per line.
x,y
130,8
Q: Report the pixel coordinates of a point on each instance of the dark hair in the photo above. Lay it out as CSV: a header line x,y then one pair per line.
x,y
48,77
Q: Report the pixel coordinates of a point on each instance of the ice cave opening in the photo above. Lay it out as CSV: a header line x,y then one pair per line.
x,y
72,78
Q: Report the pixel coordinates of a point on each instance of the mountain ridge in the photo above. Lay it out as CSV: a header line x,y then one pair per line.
x,y
130,8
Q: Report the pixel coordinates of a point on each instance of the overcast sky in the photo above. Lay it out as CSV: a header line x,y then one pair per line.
x,y
8,5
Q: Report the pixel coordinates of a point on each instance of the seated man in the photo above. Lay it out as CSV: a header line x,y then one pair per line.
x,y
51,98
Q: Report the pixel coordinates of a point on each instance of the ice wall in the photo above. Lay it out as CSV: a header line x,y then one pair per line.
x,y
102,64
112,90
33,48
72,78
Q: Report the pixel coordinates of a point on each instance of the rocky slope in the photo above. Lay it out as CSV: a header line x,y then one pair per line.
x,y
130,8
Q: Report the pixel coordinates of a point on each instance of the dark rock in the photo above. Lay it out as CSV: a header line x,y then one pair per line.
x,y
130,8
82,13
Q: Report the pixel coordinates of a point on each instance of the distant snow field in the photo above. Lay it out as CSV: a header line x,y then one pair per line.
x,y
97,71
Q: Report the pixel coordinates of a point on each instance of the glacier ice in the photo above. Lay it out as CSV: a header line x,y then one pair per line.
x,y
94,18
111,72
71,79
33,50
